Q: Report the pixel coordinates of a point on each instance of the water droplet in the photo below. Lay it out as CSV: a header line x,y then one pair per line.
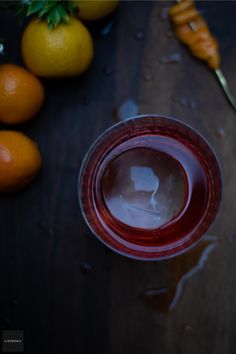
x,y
187,327
193,104
108,70
1,49
157,298
147,77
172,58
50,231
190,341
220,133
154,292
86,268
106,29
232,236
174,99
126,110
169,34
164,14
139,35
184,101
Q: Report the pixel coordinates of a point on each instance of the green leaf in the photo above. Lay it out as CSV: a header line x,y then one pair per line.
x,y
63,14
51,3
35,6
50,25
54,17
43,12
72,8
20,10
52,11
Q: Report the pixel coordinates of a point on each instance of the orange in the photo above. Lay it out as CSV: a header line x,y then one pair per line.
x,y
21,94
63,51
95,10
20,160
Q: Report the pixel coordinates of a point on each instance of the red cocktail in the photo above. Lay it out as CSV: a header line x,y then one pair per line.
x,y
150,187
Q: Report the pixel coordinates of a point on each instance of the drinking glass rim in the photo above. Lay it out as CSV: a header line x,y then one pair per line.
x,y
92,148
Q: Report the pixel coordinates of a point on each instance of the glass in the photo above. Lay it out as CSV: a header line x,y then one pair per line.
x,y
150,187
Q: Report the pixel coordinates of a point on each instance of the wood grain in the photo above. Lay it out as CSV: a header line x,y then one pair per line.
x,y
43,238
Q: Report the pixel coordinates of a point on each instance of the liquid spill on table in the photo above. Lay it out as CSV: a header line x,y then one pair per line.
x,y
127,109
1,49
180,271
107,70
139,35
185,102
220,133
107,28
173,58
170,34
147,77
163,14
232,236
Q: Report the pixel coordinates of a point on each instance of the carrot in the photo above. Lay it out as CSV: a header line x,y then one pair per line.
x,y
202,44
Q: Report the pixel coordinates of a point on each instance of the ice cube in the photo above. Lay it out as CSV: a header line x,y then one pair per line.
x,y
144,188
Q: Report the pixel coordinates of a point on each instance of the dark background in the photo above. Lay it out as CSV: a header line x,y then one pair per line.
x,y
58,283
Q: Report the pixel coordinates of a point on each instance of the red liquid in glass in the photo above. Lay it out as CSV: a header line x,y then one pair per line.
x,y
150,187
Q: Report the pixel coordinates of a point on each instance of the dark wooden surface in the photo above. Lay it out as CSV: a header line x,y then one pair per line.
x,y
44,241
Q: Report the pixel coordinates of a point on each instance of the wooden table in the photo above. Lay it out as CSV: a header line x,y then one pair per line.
x,y
59,284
